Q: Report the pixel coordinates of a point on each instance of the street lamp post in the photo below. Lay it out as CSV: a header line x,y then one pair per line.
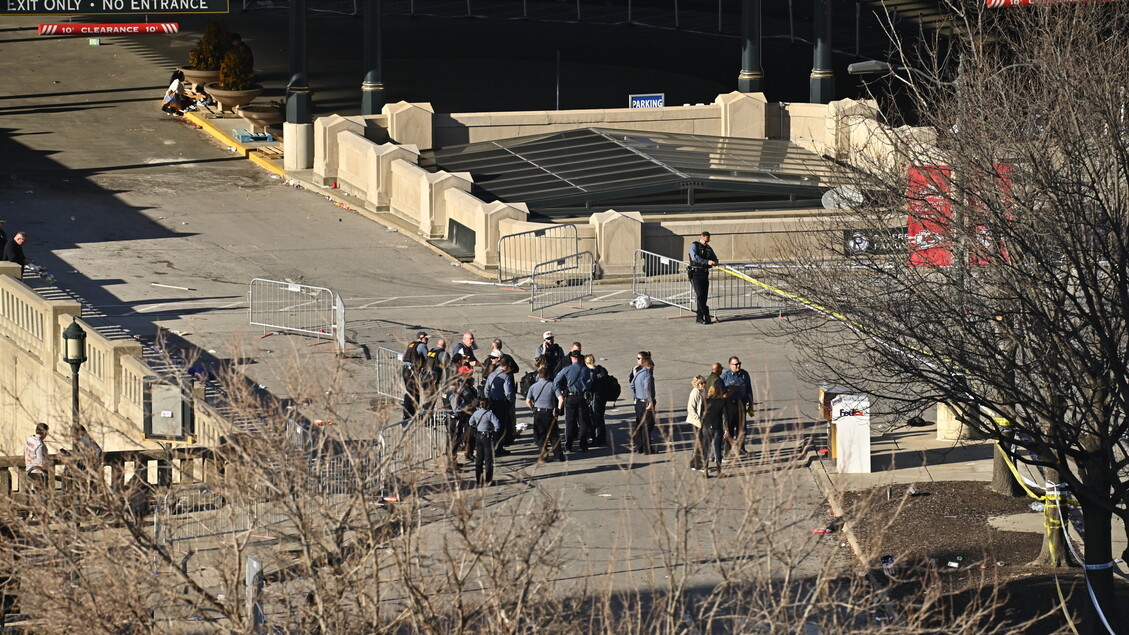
x,y
74,353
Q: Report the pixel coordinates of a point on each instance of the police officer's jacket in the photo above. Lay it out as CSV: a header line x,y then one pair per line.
x,y
543,394
576,379
500,385
484,421
701,255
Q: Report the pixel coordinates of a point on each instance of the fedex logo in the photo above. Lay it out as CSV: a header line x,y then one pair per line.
x,y
851,412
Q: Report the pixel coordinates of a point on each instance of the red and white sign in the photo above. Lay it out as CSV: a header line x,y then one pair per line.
x,y
927,223
109,29
999,4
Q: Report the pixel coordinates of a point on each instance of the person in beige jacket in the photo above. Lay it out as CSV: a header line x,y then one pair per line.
x,y
695,408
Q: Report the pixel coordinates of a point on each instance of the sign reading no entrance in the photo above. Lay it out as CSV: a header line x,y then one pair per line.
x,y
116,7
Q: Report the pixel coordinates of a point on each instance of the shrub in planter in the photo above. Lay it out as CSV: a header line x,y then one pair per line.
x,y
211,48
235,70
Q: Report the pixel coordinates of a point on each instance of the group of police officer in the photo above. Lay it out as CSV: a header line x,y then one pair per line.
x,y
477,397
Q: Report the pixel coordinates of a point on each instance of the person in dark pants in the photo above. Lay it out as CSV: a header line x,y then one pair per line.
x,y
643,390
713,427
500,391
545,401
485,426
738,387
702,258
596,401
575,382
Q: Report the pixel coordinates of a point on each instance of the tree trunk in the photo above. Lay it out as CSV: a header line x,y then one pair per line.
x,y
1003,481
1053,552
1099,551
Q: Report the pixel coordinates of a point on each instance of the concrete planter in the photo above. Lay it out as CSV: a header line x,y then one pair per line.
x,y
197,76
230,99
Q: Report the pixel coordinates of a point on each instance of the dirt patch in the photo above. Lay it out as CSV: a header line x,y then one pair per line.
x,y
946,556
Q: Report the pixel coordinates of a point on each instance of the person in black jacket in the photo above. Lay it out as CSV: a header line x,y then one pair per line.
x,y
14,250
552,354
702,257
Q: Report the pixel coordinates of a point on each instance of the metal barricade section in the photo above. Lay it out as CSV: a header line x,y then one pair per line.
x,y
662,279
389,373
520,253
562,280
417,441
298,308
665,281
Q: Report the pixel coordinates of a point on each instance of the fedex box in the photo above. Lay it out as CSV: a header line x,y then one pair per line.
x,y
850,422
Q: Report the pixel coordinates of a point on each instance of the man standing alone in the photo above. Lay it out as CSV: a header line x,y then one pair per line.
x,y
702,258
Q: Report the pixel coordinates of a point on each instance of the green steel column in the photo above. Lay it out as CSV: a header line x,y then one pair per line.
x,y
372,90
822,76
298,90
751,78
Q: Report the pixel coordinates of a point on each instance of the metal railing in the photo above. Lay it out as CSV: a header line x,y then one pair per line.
x,y
661,279
298,308
562,280
416,441
519,253
664,281
389,372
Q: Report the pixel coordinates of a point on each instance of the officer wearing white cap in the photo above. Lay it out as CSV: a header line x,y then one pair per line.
x,y
551,353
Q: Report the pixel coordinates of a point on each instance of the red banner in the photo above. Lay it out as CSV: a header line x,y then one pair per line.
x,y
999,4
109,29
927,224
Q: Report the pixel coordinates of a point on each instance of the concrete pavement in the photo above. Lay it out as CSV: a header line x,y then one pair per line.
x,y
155,224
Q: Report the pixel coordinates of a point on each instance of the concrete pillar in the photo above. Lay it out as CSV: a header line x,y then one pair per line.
x,y
297,146
618,235
743,115
410,123
372,89
326,155
751,77
949,427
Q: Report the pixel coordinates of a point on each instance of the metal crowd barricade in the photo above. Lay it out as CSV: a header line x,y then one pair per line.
x,y
298,308
389,373
664,281
519,253
562,280
416,441
190,519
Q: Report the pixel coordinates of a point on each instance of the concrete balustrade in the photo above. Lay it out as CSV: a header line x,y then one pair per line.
x,y
387,177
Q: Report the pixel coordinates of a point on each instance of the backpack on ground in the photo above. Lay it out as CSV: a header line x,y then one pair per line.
x,y
527,381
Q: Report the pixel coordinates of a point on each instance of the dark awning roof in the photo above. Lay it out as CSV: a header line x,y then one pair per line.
x,y
595,168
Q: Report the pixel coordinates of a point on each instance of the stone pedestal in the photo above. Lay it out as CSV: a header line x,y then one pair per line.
x,y
298,146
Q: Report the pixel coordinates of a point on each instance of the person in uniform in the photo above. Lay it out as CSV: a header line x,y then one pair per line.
x,y
596,401
702,258
575,382
550,353
643,390
465,347
545,401
485,426
500,391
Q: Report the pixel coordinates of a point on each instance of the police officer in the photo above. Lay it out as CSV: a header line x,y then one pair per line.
x,y
500,391
545,401
551,354
485,426
643,390
702,258
738,397
574,382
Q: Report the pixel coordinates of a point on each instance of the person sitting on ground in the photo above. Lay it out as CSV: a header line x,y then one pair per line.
x,y
175,100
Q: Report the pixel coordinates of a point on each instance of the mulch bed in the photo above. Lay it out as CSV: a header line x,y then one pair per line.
x,y
945,523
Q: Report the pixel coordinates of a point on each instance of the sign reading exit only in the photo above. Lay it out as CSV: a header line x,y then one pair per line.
x,y
78,7
651,100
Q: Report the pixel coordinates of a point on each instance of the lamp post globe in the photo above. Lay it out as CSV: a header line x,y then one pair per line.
x,y
74,353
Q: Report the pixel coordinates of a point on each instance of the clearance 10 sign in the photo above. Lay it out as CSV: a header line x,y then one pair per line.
x,y
71,7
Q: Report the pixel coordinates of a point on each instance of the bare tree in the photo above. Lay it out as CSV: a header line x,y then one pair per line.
x,y
1011,298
